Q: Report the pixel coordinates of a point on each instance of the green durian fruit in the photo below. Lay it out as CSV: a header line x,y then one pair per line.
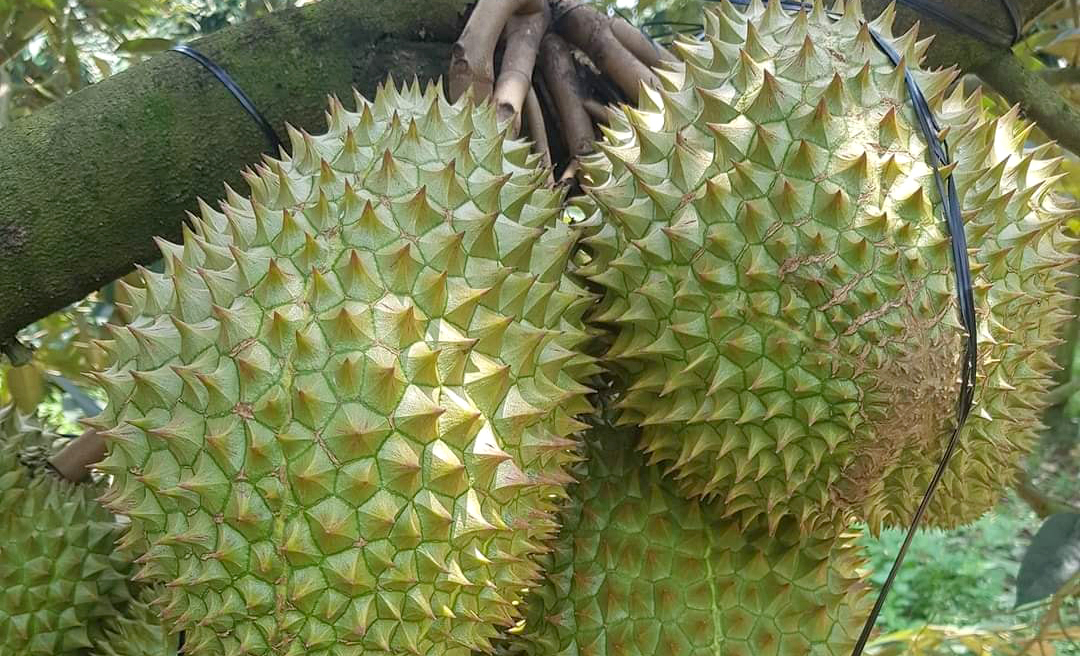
x,y
138,631
339,419
778,271
58,572
639,569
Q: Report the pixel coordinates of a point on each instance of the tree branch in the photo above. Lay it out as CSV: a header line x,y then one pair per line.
x,y
956,48
1058,119
1060,76
105,170
995,65
1041,504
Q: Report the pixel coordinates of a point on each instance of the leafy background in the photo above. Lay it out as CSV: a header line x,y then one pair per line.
x,y
957,592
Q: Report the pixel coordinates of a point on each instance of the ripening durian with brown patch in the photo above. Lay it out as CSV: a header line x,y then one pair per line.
x,y
339,420
778,273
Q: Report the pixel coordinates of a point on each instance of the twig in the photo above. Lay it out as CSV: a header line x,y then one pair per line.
x,y
1041,504
73,462
1062,393
560,77
534,122
592,32
1051,615
522,36
472,58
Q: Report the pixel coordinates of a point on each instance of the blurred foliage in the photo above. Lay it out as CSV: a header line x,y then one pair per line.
x,y
955,594
50,48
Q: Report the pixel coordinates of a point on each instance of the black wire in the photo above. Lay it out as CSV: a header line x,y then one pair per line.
x,y
962,271
939,153
268,130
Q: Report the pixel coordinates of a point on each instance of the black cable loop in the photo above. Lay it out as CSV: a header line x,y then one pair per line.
x,y
267,129
939,155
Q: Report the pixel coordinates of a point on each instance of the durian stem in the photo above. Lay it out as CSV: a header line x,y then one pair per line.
x,y
472,58
594,34
534,122
597,110
523,34
1039,101
560,78
645,49
73,462
110,167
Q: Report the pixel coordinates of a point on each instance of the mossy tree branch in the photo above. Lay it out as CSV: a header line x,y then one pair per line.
x,y
86,183
1060,76
1039,101
994,64
110,167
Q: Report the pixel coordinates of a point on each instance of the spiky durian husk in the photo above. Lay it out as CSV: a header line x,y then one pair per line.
x,y
779,274
639,569
339,419
139,631
58,572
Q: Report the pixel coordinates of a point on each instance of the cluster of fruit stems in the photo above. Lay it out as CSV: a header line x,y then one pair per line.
x,y
585,60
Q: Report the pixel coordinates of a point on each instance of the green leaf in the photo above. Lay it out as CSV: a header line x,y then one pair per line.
x,y
1051,560
145,46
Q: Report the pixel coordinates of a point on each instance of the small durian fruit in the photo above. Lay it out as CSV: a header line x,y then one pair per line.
x,y
58,573
138,631
639,569
339,420
779,274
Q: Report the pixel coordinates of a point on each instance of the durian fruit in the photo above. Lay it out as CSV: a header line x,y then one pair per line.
x,y
339,419
778,272
139,631
639,569
58,572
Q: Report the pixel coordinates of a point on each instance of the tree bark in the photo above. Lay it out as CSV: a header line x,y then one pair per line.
x,y
993,63
86,183
1038,100
949,47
